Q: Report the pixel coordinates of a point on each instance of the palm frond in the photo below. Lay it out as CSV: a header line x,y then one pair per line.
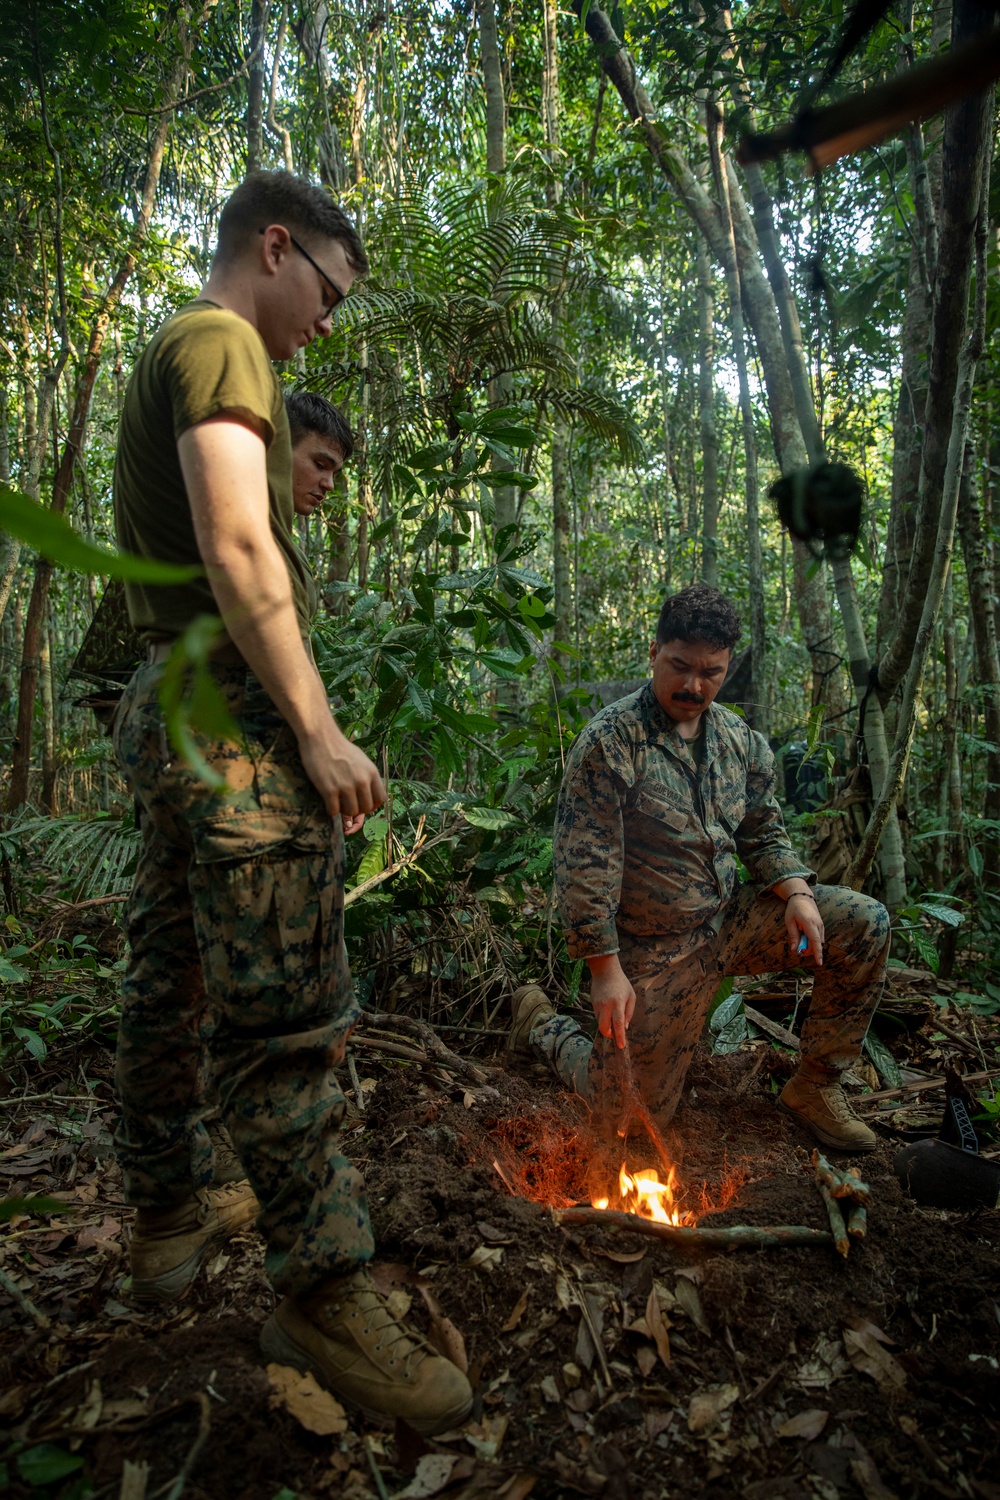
x,y
606,418
99,851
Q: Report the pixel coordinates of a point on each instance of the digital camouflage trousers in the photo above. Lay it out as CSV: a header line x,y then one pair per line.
x,y
237,991
674,985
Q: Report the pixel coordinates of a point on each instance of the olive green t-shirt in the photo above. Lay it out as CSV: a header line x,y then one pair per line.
x,y
204,361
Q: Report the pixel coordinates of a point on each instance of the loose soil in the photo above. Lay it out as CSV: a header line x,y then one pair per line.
x,y
779,1372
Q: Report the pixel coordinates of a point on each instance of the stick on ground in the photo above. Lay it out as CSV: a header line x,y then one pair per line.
x,y
731,1237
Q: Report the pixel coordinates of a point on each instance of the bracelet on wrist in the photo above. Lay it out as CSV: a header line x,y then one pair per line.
x,y
807,894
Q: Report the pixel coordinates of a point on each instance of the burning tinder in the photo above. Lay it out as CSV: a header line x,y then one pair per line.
x,y
641,1192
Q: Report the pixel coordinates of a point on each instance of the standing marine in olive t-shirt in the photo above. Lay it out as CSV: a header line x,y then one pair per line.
x,y
235,924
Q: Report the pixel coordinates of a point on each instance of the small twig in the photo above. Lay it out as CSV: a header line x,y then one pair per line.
x,y
595,1337
393,868
498,1169
840,1241
958,1039
352,1068
393,1049
772,1028
857,1222
917,1085
731,1237
23,1301
376,1471
746,1081
432,1044
842,1183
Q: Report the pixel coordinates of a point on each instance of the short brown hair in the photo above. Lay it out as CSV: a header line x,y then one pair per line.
x,y
264,198
308,413
699,613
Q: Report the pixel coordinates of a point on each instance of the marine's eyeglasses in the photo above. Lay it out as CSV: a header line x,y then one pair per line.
x,y
338,296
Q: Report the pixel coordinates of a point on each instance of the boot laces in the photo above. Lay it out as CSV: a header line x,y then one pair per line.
x,y
380,1320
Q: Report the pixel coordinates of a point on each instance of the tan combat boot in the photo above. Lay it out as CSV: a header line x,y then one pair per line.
x,y
169,1244
530,1006
346,1336
815,1096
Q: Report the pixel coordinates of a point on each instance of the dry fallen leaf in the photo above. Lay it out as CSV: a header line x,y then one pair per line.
x,y
433,1473
645,1358
825,1365
862,1325
448,1340
807,1425
399,1302
549,1390
518,1487
707,1407
623,1257
468,1099
308,1403
13,1401
867,1355
518,1313
486,1436
657,1326
867,1477
485,1258
494,1236
89,1413
689,1302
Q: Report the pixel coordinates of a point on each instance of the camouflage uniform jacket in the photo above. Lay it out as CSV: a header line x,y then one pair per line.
x,y
646,841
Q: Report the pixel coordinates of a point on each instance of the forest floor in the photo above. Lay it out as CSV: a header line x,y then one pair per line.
x,y
605,1363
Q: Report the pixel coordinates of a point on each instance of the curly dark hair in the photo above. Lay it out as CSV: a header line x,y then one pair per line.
x,y
699,613
304,209
308,412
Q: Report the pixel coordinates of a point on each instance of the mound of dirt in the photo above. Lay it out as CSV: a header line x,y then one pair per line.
x,y
605,1363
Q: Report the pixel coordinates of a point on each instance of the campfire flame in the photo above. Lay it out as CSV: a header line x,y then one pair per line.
x,y
641,1192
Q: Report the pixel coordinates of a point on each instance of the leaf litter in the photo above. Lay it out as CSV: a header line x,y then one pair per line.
x,y
604,1365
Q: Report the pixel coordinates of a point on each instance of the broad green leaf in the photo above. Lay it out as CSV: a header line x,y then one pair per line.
x,y
373,862
427,534
490,817
946,914
499,479
487,504
885,1064
420,698
730,1038
12,973
51,534
46,1464
925,948
725,1010
34,1043
191,701
463,722
38,1203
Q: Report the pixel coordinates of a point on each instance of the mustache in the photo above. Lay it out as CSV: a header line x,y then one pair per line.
x,y
687,698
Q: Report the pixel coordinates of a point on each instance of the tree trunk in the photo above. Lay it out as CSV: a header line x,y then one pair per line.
x,y
283,134
706,413
255,86
758,643
31,649
984,627
47,797
960,164
965,160
496,108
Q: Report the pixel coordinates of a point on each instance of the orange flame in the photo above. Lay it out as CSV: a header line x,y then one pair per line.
x,y
641,1192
